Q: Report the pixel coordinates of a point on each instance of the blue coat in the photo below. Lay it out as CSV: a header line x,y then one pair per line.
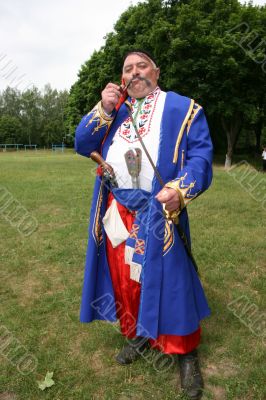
x,y
172,299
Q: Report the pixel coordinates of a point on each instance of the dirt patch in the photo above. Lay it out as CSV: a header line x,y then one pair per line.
x,y
223,368
44,209
218,392
8,396
52,226
32,286
132,397
75,346
99,395
97,364
28,290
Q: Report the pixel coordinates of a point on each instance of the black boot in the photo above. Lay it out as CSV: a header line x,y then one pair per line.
x,y
132,351
191,378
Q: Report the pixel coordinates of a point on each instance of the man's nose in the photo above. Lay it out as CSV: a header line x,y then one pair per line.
x,y
135,71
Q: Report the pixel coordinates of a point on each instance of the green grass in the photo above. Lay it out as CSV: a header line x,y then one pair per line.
x,y
42,275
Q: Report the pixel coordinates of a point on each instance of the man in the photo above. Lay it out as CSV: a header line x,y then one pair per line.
x,y
137,263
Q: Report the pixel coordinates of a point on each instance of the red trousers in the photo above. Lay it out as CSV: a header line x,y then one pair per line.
x,y
127,297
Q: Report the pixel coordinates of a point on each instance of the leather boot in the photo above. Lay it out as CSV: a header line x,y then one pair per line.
x,y
132,351
190,374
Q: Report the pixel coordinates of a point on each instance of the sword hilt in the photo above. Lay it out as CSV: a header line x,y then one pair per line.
x,y
108,172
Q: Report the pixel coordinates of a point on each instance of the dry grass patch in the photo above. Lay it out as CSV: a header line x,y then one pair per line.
x,y
8,396
33,286
223,369
217,392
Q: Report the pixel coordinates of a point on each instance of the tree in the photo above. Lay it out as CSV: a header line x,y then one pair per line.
x,y
39,117
10,130
53,125
10,102
199,46
31,114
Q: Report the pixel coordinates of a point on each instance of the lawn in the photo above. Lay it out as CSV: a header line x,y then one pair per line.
x,y
42,274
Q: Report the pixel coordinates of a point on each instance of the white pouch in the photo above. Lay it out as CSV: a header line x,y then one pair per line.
x,y
114,226
135,271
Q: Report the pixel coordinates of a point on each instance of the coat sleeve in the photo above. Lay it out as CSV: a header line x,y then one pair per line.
x,y
91,130
196,174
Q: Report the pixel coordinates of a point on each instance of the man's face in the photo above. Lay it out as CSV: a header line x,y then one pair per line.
x,y
144,73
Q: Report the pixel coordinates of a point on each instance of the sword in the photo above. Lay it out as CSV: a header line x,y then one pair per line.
x,y
169,215
110,175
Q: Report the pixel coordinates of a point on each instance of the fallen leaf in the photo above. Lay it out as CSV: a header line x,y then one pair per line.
x,y
48,381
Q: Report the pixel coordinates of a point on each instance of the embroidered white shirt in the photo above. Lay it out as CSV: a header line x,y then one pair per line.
x,y
147,114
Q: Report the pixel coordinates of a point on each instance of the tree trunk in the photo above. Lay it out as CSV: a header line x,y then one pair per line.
x,y
29,135
228,158
258,130
231,128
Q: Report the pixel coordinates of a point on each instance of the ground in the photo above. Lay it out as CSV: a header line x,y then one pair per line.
x,y
41,281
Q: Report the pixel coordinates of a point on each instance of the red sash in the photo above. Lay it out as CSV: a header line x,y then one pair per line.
x,y
127,296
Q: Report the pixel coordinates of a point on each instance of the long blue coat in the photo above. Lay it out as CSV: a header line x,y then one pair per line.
x,y
172,300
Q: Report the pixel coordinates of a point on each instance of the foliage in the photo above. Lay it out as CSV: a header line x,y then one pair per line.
x,y
10,129
33,117
206,50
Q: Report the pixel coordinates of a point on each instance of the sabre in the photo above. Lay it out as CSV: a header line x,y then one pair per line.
x,y
170,215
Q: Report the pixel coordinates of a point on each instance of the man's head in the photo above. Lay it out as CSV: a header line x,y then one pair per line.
x,y
140,72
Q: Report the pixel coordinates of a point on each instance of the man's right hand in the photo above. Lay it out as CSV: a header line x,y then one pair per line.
x,y
110,97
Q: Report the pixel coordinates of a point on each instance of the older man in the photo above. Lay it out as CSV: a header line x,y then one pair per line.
x,y
158,151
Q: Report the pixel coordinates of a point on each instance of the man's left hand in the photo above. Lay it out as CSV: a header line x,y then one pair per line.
x,y
170,197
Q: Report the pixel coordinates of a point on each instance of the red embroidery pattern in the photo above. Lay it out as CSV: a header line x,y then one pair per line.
x,y
140,246
144,117
134,231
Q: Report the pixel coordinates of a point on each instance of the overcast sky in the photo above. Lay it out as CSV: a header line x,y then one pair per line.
x,y
47,41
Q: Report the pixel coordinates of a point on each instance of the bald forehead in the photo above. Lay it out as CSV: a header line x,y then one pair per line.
x,y
137,57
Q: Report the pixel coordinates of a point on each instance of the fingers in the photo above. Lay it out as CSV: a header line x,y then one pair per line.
x,y
111,85
110,96
111,93
108,167
172,206
165,195
170,198
112,90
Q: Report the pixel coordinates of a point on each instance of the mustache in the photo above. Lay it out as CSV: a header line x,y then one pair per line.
x,y
140,78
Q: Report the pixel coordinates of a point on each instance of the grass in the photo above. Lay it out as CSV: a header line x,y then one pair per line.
x,y
41,282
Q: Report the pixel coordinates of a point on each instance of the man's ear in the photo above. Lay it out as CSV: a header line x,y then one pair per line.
x,y
158,72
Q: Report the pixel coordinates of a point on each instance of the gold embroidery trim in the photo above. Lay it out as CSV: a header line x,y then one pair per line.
x,y
180,135
184,191
168,237
97,230
183,159
193,116
99,117
103,113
